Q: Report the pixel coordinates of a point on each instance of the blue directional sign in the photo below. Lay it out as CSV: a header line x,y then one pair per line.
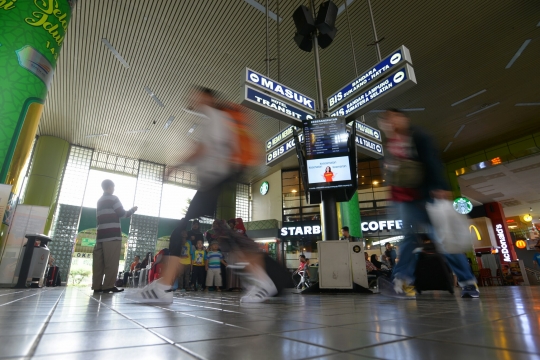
x,y
266,104
279,137
392,61
395,83
369,147
293,96
283,149
368,130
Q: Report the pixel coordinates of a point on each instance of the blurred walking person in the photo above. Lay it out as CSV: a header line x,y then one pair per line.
x,y
416,175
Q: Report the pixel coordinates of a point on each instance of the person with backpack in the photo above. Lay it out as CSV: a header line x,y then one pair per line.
x,y
416,176
227,148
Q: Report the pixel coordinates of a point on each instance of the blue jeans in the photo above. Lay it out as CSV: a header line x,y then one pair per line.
x,y
416,220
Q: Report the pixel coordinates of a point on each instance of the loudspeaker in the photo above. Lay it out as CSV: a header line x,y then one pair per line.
x,y
303,20
304,42
326,39
326,18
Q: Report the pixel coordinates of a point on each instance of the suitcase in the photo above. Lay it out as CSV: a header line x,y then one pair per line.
x,y
53,276
433,273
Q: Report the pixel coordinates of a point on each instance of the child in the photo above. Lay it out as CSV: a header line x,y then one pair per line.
x,y
213,266
198,261
184,275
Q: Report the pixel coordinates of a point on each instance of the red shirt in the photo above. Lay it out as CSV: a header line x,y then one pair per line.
x,y
398,147
328,176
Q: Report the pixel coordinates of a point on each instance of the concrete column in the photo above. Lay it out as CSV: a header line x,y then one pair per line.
x,y
45,176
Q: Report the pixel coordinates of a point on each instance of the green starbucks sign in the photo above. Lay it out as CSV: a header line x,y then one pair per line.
x,y
463,205
31,36
265,186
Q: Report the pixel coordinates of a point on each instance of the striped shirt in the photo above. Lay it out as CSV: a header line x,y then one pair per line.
x,y
214,259
108,213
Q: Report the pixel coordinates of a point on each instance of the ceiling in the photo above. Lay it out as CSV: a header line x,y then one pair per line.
x,y
458,48
513,184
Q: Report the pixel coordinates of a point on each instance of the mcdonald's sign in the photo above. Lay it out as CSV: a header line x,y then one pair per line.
x,y
471,228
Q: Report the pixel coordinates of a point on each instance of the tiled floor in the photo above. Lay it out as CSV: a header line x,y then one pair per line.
x,y
67,323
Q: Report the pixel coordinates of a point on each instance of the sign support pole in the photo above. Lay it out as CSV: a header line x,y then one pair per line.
x,y
329,216
374,31
320,110
267,44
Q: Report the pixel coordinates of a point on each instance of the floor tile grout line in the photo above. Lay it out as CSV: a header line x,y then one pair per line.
x,y
15,292
476,345
34,346
11,302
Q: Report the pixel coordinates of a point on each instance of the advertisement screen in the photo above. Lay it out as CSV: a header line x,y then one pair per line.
x,y
327,153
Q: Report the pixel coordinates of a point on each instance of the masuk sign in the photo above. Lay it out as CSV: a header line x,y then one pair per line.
x,y
392,61
396,83
275,88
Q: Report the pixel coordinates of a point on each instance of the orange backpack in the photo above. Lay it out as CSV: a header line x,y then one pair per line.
x,y
247,152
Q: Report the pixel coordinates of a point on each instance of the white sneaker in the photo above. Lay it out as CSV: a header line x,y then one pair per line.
x,y
263,289
153,293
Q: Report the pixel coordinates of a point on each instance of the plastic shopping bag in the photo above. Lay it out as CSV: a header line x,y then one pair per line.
x,y
451,228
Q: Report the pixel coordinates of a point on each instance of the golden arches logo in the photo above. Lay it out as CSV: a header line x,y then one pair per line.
x,y
478,237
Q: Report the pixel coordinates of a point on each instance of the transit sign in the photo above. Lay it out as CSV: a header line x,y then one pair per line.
x,y
396,83
391,62
293,96
266,104
283,149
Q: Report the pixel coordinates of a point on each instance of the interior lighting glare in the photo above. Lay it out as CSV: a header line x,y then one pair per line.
x,y
115,53
459,131
469,97
518,53
153,96
192,129
375,182
528,104
484,108
496,161
169,122
447,146
294,190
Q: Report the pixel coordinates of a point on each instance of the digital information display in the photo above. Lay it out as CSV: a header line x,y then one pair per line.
x,y
327,153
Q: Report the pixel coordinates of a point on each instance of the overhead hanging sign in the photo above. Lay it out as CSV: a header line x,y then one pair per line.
x,y
284,149
254,78
396,83
266,104
391,62
367,130
279,137
369,147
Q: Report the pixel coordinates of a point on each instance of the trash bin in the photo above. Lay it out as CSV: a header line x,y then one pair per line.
x,y
33,261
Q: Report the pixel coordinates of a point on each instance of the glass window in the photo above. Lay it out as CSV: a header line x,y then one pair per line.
x,y
243,201
175,201
124,188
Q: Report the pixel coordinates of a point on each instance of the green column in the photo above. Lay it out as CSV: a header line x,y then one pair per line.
x,y
226,207
45,176
350,216
31,36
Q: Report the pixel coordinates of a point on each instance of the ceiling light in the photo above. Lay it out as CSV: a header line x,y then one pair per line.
x,y
469,97
262,9
137,131
115,53
483,108
342,7
169,122
294,190
192,112
96,135
528,104
518,53
190,131
153,96
375,182
459,130
413,109
447,146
